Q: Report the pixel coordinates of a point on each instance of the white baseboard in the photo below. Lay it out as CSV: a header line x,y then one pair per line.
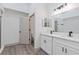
x,y
12,44
2,48
36,50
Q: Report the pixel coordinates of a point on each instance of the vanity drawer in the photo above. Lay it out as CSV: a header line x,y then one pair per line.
x,y
65,47
69,43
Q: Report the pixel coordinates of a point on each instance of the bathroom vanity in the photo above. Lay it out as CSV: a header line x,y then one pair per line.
x,y
65,37
60,44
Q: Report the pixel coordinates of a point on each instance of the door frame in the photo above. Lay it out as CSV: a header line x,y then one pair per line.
x,y
29,26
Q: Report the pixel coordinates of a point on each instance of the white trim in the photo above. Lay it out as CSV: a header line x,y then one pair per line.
x,y
2,48
12,44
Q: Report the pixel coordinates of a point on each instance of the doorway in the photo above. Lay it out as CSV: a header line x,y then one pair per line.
x,y
32,29
24,30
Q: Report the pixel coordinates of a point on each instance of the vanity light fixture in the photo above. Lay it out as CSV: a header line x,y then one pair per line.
x,y
60,7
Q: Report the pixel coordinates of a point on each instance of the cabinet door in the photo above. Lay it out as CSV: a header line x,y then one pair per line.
x,y
58,48
72,51
49,45
43,43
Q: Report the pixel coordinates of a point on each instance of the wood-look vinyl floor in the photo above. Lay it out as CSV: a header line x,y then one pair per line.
x,y
21,50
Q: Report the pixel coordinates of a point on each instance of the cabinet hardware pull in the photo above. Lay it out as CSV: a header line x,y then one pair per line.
x,y
62,49
65,50
44,41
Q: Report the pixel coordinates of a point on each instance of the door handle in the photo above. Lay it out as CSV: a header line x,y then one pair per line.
x,y
44,41
65,50
19,31
62,49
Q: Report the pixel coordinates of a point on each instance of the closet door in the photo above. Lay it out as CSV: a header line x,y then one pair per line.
x,y
24,30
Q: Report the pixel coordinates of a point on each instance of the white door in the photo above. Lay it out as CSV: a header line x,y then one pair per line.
x,y
24,30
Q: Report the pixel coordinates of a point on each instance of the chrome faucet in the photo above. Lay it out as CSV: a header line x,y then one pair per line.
x,y
70,33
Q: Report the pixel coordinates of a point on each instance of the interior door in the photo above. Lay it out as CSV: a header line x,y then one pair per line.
x,y
24,30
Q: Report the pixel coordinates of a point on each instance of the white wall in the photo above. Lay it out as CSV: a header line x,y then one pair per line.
x,y
10,26
24,7
40,11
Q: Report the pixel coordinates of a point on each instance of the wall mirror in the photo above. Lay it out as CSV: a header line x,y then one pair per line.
x,y
68,24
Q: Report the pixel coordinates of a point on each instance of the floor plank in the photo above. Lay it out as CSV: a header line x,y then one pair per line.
x,y
21,50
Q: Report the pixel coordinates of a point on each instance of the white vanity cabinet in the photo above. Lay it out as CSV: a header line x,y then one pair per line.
x,y
65,47
46,44
58,49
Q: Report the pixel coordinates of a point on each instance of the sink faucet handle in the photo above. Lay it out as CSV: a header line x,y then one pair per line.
x,y
70,32
50,31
